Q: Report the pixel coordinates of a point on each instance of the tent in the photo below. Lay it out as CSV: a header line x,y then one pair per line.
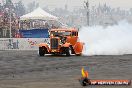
x,y
38,14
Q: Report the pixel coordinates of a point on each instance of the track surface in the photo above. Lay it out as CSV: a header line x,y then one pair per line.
x,y
25,69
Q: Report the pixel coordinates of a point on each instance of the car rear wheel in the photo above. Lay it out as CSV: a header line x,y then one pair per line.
x,y
68,51
42,51
78,54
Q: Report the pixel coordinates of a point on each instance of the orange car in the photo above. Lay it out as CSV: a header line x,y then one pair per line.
x,y
62,41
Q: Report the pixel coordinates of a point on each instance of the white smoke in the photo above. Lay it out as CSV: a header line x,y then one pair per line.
x,y
113,40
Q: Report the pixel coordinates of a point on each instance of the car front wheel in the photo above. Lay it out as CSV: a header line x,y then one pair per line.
x,y
41,51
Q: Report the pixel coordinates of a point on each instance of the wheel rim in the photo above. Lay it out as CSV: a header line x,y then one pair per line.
x,y
70,51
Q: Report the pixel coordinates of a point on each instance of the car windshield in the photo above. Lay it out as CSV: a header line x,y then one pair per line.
x,y
60,33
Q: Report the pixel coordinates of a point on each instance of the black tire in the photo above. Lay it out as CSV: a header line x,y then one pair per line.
x,y
85,82
68,51
78,54
41,51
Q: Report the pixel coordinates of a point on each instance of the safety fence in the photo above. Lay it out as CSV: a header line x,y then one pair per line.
x,y
21,43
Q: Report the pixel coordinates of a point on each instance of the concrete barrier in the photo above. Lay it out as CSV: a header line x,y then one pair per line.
x,y
21,43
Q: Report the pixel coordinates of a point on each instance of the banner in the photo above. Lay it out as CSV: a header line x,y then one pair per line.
x,y
34,33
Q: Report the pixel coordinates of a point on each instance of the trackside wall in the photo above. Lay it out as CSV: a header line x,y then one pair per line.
x,y
21,43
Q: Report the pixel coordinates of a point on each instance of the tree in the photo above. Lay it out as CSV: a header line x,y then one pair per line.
x,y
131,11
31,6
20,8
86,6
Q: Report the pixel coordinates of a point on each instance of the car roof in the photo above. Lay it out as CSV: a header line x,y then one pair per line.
x,y
64,29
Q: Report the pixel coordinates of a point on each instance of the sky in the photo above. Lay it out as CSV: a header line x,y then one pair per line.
x,y
124,4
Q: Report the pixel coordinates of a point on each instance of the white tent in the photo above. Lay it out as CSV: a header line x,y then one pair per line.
x,y
38,14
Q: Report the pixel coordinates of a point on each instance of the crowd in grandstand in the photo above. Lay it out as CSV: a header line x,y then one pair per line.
x,y
8,18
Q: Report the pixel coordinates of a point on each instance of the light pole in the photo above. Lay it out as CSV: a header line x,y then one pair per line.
x,y
10,23
86,6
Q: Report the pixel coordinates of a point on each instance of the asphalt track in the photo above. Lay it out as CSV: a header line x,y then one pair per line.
x,y
25,69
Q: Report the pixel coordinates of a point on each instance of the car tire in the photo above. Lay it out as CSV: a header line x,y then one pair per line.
x,y
78,54
68,51
41,51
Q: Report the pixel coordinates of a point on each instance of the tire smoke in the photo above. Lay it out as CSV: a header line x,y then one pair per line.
x,y
113,40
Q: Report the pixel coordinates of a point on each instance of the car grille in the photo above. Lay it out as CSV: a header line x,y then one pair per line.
x,y
54,43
